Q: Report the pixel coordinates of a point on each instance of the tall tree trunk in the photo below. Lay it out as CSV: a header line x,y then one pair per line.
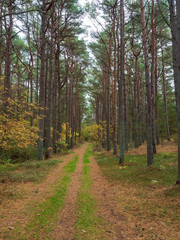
x,y
175,30
125,117
150,160
156,97
31,67
115,86
49,100
153,77
76,110
97,107
59,92
19,81
135,107
67,113
130,107
55,103
71,107
8,47
121,82
104,82
164,96
37,68
143,112
42,81
1,50
108,97
140,120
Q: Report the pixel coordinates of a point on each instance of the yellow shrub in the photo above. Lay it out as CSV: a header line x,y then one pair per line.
x,y
16,133
95,133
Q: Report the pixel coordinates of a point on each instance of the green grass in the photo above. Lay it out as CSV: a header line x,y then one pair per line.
x,y
151,191
45,214
29,171
88,225
135,170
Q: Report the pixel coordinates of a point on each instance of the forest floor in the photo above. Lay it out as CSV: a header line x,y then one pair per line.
x,y
88,196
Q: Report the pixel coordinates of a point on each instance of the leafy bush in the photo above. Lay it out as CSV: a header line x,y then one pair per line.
x,y
17,138
95,133
62,146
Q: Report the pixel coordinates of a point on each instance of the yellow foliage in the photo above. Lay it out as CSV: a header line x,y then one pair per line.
x,y
15,130
16,133
65,130
95,133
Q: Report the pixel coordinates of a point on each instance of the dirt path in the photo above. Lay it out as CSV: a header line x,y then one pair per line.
x,y
64,230
111,200
11,211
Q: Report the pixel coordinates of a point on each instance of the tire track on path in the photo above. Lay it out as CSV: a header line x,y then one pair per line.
x,y
14,212
65,229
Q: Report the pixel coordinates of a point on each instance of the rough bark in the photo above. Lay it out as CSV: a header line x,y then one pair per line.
x,y
31,67
153,76
42,81
1,50
71,107
114,87
125,117
164,96
156,96
8,48
55,84
97,107
135,106
59,92
175,30
104,105
49,101
150,160
121,83
108,96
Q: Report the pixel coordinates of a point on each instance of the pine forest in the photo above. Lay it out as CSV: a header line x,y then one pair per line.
x,y
90,119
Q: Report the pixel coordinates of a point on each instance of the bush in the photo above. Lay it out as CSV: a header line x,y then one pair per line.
x,y
18,155
95,133
17,138
62,146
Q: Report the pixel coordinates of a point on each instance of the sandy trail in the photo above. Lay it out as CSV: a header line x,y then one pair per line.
x,y
11,211
110,198
65,230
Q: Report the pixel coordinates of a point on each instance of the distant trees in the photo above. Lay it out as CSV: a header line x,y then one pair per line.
x,y
135,59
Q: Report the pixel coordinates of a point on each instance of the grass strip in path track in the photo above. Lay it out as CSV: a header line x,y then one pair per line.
x,y
88,225
46,213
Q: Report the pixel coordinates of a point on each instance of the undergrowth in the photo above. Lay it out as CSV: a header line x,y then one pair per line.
x,y
29,171
88,225
150,191
135,171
